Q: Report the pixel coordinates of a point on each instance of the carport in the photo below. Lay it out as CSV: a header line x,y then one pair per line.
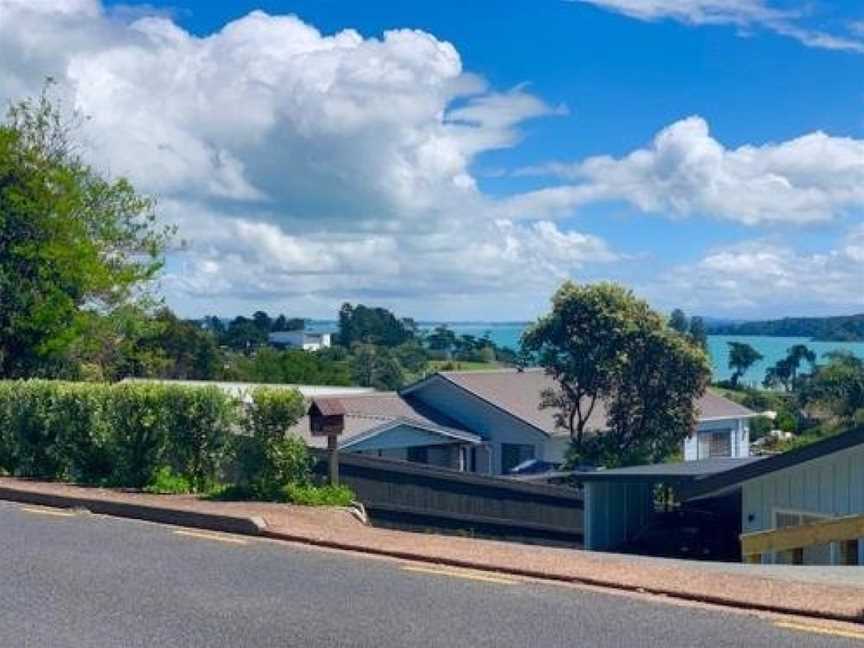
x,y
619,502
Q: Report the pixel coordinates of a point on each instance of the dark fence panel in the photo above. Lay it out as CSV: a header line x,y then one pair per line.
x,y
417,496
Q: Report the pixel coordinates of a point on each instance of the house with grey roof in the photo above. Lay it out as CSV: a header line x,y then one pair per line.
x,y
490,422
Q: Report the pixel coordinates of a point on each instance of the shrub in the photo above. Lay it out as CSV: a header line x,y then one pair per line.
x,y
786,421
35,427
760,426
271,456
83,437
310,495
199,432
165,438
167,482
138,416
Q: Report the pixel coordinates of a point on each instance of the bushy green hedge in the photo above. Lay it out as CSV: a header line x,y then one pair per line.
x,y
166,438
114,434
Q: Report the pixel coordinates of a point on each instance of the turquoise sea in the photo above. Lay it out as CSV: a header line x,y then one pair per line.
x,y
507,334
772,348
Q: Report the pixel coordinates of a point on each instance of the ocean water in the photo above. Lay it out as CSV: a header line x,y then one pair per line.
x,y
507,334
772,348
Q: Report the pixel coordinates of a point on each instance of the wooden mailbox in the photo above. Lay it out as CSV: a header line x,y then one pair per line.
x,y
327,418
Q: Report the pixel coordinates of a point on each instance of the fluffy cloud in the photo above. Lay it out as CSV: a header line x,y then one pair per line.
x,y
296,165
685,171
767,277
744,14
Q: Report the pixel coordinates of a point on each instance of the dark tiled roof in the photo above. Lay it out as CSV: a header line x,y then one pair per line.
x,y
518,393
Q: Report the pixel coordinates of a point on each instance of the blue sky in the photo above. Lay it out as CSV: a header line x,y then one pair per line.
x,y
708,153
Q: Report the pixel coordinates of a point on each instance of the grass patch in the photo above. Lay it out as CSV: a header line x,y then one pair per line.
x,y
166,482
308,495
301,494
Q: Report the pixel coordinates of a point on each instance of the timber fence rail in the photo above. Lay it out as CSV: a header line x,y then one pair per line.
x,y
847,533
405,494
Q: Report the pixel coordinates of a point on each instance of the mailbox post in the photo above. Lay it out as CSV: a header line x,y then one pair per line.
x,y
327,418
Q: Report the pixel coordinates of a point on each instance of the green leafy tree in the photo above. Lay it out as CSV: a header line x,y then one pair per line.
x,y
441,339
376,367
678,321
364,325
698,333
71,240
742,356
244,334
602,344
786,372
839,387
412,357
652,407
262,322
191,351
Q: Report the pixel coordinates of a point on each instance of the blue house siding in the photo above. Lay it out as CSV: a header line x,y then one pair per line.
x,y
493,425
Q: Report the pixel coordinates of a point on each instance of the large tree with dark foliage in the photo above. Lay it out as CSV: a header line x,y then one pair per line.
x,y
378,326
605,348
786,372
742,356
839,387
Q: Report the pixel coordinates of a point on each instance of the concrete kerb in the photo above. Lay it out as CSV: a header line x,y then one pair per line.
x,y
256,526
162,515
574,580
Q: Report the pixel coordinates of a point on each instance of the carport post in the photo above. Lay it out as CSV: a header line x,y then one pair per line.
x,y
861,552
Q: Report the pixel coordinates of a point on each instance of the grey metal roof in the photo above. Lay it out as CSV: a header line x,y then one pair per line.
x,y
718,482
668,472
518,394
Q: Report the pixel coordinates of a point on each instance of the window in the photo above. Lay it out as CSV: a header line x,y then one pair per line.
x,y
810,555
715,444
513,454
849,552
419,454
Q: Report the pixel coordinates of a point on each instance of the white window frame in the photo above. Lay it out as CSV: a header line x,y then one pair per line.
x,y
799,512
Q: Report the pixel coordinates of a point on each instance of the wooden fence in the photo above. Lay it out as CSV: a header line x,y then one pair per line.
x,y
845,533
416,496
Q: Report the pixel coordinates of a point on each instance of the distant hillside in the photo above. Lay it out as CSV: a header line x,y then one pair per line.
x,y
844,328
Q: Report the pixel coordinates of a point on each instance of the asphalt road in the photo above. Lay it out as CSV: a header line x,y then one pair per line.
x,y
76,580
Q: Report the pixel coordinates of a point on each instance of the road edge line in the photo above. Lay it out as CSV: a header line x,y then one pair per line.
x,y
256,526
721,601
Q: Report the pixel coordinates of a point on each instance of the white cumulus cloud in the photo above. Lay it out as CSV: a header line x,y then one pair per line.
x,y
743,14
685,171
297,165
765,276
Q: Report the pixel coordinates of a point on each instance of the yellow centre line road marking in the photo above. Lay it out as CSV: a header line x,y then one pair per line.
x,y
461,574
822,630
211,536
45,511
